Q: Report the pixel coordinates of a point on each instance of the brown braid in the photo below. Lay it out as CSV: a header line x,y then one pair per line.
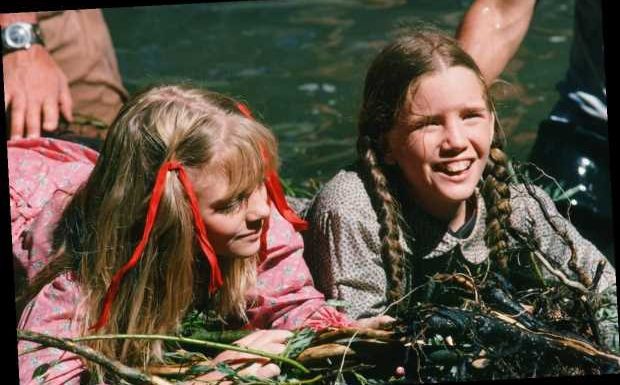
x,y
391,76
496,195
392,252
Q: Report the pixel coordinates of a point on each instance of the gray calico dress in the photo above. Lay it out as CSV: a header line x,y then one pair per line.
x,y
343,247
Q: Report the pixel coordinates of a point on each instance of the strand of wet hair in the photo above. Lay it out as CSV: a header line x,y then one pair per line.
x,y
392,253
497,199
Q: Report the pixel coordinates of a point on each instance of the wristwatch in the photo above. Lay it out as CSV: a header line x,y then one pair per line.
x,y
18,36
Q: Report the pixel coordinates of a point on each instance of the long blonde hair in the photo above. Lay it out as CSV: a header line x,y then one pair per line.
x,y
104,222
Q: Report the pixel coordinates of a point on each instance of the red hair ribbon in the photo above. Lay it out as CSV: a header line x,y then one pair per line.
x,y
274,187
275,193
245,111
215,281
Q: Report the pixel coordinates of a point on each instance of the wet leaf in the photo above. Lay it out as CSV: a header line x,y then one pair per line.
x,y
198,370
480,363
299,342
225,369
43,368
444,357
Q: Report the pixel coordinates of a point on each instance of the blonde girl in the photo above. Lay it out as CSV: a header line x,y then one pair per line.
x,y
182,210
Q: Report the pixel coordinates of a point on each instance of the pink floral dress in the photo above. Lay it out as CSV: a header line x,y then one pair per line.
x,y
284,296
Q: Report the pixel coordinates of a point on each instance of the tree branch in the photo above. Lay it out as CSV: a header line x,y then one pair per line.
x,y
125,372
191,341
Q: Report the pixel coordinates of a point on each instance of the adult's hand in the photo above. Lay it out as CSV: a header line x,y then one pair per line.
x,y
36,92
271,341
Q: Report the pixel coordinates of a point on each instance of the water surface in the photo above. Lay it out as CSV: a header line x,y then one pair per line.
x,y
300,64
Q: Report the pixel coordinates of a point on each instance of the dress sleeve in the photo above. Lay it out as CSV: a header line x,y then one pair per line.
x,y
605,302
44,174
284,296
53,311
343,248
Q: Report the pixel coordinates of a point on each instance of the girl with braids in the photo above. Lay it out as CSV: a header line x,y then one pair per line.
x,y
182,210
432,193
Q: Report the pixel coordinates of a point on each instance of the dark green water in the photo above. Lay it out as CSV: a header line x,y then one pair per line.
x,y
300,64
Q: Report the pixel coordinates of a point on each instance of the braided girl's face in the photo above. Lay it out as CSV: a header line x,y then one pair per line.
x,y
442,140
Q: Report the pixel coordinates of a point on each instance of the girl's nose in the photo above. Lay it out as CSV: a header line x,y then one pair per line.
x,y
258,205
455,138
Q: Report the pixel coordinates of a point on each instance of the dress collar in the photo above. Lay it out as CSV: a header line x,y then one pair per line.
x,y
431,238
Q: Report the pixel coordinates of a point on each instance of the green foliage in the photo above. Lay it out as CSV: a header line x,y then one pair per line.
x,y
300,340
182,356
309,188
41,370
557,190
194,320
198,370
199,325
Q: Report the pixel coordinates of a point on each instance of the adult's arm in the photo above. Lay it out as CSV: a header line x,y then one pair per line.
x,y
492,31
36,90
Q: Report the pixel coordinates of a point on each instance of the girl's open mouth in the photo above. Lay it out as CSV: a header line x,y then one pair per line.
x,y
453,168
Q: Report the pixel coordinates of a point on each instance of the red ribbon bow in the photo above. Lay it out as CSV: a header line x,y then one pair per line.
x,y
274,191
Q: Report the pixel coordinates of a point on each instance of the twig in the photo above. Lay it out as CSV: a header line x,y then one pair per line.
x,y
598,274
472,281
568,282
31,350
344,355
191,341
566,342
539,274
559,274
308,381
125,372
553,180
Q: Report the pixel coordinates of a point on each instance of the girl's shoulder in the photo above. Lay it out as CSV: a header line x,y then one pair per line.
x,y
525,195
532,208
344,193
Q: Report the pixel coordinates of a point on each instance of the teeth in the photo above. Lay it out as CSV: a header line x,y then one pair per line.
x,y
456,166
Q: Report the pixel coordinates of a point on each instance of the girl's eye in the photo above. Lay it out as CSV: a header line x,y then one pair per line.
x,y
425,123
232,206
472,114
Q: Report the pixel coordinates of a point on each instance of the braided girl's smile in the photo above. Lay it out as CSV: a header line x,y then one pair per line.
x,y
442,139
455,167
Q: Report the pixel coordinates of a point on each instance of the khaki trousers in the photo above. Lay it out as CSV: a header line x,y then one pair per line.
x,y
79,41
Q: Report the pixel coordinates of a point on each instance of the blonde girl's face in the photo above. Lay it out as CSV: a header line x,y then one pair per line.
x,y
443,138
233,224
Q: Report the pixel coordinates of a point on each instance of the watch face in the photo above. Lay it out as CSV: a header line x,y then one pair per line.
x,y
18,36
